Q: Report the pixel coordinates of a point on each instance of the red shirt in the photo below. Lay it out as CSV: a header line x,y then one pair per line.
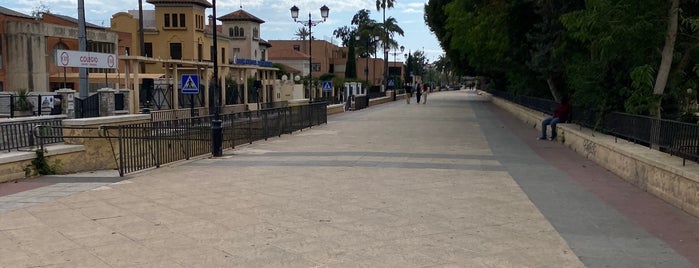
x,y
562,112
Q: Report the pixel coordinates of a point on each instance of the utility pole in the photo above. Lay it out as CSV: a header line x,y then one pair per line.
x,y
82,46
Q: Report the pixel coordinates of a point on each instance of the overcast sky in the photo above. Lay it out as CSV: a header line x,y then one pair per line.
x,y
278,23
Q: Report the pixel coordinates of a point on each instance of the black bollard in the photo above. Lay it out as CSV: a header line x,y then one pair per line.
x,y
216,138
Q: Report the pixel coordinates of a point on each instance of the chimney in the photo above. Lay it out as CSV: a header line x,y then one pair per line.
x,y
211,22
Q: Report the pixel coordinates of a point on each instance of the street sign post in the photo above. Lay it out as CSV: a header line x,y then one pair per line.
x,y
327,86
190,85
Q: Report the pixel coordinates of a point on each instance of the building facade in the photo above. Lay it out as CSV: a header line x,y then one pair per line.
x,y
28,51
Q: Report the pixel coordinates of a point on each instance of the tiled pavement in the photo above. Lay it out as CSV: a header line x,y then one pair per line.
x,y
444,184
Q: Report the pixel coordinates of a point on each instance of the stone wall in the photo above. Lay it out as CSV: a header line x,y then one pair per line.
x,y
656,172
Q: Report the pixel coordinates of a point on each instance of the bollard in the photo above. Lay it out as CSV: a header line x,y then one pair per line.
x,y
216,138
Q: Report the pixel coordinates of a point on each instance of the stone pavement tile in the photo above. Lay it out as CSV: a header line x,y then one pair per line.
x,y
100,239
127,254
59,217
80,229
70,258
40,240
19,219
267,256
202,257
11,255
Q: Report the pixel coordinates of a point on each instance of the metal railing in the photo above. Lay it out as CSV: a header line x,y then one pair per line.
x,y
676,138
152,144
19,135
673,137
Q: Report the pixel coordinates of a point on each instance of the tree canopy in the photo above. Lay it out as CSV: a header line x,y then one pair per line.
x,y
635,56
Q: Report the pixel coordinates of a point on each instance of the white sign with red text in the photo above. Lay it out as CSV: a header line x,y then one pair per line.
x,y
72,58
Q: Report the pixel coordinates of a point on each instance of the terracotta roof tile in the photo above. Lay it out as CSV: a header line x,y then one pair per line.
x,y
240,15
203,3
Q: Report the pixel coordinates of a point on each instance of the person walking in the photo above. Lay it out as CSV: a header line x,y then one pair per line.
x,y
561,114
408,93
418,93
425,92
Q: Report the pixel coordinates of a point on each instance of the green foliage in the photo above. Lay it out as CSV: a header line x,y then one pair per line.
x,y
22,102
40,165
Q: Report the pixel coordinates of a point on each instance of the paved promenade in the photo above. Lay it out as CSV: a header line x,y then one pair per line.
x,y
455,182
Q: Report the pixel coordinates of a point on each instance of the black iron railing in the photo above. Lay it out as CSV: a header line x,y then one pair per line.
x,y
676,138
19,135
152,144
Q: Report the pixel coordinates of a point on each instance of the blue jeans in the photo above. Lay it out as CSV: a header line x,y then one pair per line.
x,y
549,121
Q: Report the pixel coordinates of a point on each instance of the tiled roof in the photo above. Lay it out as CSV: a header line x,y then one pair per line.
x,y
203,3
10,12
240,15
74,20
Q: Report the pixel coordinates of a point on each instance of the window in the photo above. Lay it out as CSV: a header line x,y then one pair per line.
x,y
199,52
332,68
0,59
231,32
255,33
223,55
183,21
242,32
176,51
148,47
127,50
167,20
175,22
297,47
236,52
316,67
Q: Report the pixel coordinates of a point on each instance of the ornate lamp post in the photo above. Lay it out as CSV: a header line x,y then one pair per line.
x,y
324,11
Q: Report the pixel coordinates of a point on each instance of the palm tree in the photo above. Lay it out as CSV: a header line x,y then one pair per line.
x,y
383,4
301,34
391,27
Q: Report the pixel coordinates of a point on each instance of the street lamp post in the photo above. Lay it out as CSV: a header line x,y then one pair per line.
x,y
216,124
395,53
324,11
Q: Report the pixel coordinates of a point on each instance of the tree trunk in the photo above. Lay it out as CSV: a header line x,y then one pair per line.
x,y
668,50
553,88
664,69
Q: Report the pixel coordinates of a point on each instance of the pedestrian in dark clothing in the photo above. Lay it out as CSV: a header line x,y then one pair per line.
x,y
418,93
561,114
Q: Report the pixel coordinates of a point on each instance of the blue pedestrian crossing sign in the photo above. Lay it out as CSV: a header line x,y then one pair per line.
x,y
190,84
327,86
391,83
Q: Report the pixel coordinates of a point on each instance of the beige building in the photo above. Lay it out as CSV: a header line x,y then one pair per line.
x,y
179,40
28,51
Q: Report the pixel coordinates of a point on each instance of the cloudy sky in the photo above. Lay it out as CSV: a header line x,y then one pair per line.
x,y
278,23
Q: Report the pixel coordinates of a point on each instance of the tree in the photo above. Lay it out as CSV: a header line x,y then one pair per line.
x,y
351,68
38,11
302,34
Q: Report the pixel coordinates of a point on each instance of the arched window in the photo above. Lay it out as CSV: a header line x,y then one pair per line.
x,y
242,32
255,33
237,31
230,32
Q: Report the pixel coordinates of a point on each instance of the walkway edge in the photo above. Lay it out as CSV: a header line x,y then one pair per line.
x,y
655,172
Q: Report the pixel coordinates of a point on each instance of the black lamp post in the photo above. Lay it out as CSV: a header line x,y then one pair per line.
x,y
216,128
324,11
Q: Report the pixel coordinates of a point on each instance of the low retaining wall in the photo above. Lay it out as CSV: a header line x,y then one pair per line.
x,y
653,171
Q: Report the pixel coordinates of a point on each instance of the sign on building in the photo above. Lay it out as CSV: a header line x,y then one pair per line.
x,y
72,58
